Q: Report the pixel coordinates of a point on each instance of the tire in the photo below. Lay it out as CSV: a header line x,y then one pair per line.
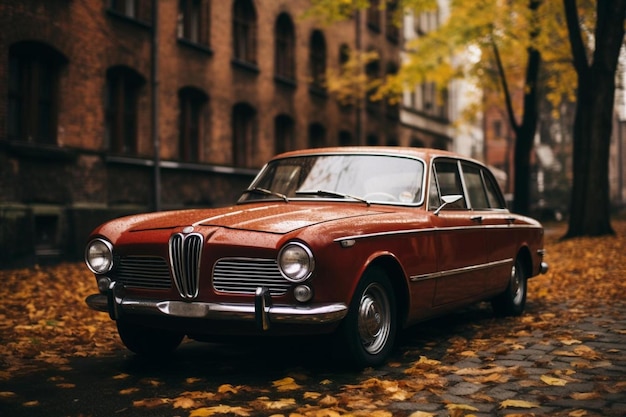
x,y
145,341
513,300
368,332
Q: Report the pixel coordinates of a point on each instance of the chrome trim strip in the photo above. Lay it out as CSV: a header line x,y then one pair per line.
x,y
435,229
310,314
440,274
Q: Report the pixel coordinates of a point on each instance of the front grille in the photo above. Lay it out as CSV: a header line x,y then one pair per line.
x,y
149,272
245,275
185,252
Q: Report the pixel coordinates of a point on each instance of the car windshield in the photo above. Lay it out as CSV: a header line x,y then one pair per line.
x,y
368,178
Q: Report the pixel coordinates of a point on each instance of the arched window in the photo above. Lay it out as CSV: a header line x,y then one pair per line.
x,y
244,31
284,53
284,134
317,135
244,134
194,21
33,92
317,59
122,94
192,105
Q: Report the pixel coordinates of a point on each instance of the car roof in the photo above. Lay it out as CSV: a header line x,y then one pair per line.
x,y
423,153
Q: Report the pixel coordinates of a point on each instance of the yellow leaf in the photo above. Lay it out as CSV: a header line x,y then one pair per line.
x,y
569,342
193,380
225,388
279,404
422,414
129,391
31,403
66,385
578,413
7,394
326,382
120,376
328,401
184,403
286,384
518,404
461,407
583,396
150,402
553,381
311,395
425,360
219,409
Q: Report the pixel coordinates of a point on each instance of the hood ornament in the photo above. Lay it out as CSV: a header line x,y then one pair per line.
x,y
188,229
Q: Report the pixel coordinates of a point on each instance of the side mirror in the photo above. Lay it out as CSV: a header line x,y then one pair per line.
x,y
447,199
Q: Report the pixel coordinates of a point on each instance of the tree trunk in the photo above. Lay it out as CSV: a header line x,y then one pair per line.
x,y
590,210
525,136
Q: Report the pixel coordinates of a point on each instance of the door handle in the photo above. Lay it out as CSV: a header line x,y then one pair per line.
x,y
477,219
510,220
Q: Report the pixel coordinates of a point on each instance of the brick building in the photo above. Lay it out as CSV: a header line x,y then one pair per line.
x,y
91,88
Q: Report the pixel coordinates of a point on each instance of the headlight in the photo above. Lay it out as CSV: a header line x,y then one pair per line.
x,y
296,262
99,256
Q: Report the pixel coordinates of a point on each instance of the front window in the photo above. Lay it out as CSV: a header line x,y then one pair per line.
x,y
374,178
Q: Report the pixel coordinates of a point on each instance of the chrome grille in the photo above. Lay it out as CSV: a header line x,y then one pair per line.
x,y
245,275
185,252
149,272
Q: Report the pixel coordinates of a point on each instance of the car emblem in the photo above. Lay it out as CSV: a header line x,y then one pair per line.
x,y
188,229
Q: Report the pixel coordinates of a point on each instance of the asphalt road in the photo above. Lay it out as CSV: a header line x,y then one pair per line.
x,y
468,363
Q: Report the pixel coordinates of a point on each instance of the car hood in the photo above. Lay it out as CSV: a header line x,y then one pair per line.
x,y
275,218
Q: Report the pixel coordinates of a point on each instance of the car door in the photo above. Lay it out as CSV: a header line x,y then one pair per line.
x,y
460,237
489,210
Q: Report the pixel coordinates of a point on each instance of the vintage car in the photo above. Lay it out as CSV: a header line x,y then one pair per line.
x,y
355,242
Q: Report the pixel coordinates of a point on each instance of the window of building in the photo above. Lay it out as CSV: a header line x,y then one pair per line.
x,y
317,59
371,140
317,135
393,105
244,31
244,134
345,138
284,52
193,21
33,92
192,105
121,109
373,15
128,8
392,29
373,72
284,134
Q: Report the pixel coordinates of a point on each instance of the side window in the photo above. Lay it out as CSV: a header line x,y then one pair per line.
x,y
449,181
494,195
475,189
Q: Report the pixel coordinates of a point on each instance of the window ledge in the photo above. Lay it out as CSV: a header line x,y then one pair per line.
x,y
195,45
318,91
132,20
285,81
245,65
39,151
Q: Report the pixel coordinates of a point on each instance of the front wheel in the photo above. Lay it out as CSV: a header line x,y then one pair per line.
x,y
368,332
148,342
513,300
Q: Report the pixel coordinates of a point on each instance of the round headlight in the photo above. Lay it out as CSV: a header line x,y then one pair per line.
x,y
99,256
296,262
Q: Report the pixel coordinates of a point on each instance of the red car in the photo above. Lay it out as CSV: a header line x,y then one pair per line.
x,y
359,242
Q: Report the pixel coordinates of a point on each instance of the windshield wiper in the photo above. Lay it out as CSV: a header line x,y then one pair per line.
x,y
335,194
264,191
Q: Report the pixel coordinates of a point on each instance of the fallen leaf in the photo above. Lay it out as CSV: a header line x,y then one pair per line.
x,y
227,388
422,414
286,384
220,409
184,403
128,391
518,404
583,396
461,407
553,381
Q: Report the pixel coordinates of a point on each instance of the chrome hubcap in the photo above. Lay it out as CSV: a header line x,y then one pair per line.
x,y
374,319
516,286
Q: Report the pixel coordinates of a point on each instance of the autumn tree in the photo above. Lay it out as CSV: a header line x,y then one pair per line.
x,y
505,46
596,72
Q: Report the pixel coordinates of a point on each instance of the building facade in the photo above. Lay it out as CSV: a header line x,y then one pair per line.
x,y
112,107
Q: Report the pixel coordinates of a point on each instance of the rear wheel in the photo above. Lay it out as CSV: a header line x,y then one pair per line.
x,y
146,341
513,300
368,332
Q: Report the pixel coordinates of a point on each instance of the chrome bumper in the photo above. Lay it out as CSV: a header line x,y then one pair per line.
x,y
263,312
